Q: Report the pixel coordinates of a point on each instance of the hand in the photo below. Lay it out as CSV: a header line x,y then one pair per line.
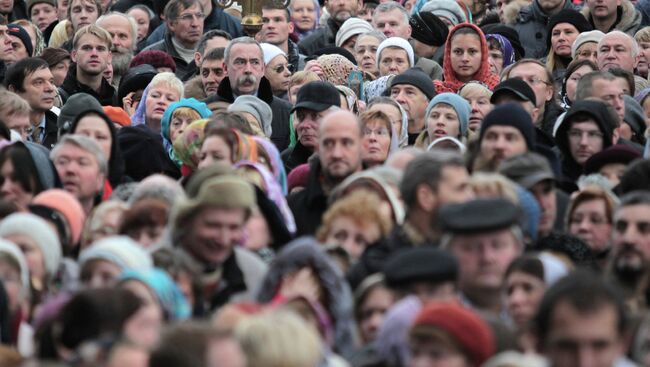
x,y
316,67
129,105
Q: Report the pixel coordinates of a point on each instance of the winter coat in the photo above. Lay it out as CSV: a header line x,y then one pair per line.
x,y
165,45
294,156
107,95
320,38
628,18
531,26
309,205
194,89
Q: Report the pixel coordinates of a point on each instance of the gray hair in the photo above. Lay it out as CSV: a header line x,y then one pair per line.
x,y
242,41
85,143
158,187
390,6
635,46
378,35
130,19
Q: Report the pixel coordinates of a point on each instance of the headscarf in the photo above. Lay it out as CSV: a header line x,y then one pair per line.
x,y
297,34
450,82
376,88
200,107
276,162
188,145
506,48
350,98
171,299
336,68
139,116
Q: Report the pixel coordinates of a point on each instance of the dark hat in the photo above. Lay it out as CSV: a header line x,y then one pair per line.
x,y
317,96
136,78
428,29
334,51
420,264
31,3
144,154
570,16
509,33
155,58
417,78
634,116
54,56
478,216
618,153
20,32
77,103
527,169
510,114
515,86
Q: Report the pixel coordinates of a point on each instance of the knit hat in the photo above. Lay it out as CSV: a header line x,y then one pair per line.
x,y
171,299
9,248
20,32
66,204
465,327
427,28
200,107
618,153
31,3
510,114
351,27
417,78
256,107
117,115
155,58
598,111
36,229
76,103
584,37
458,103
570,16
53,55
446,8
336,68
136,78
399,43
298,176
634,115
118,250
271,52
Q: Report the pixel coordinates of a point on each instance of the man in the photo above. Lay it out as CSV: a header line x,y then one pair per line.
x,y
581,322
6,48
14,10
339,11
32,80
630,260
21,43
609,15
82,13
602,85
184,20
531,24
276,28
339,156
124,31
42,13
82,168
91,54
210,229
315,100
518,91
484,236
211,73
413,90
15,112
244,65
619,50
210,40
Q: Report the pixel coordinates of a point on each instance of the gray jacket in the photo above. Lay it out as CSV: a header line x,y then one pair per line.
x,y
629,20
531,26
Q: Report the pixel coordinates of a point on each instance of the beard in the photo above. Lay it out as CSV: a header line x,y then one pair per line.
x,y
629,266
121,59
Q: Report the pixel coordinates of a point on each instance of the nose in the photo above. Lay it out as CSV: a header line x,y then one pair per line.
x,y
584,139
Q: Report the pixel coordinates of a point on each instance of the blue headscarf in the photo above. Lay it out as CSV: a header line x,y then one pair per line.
x,y
200,107
171,299
139,116
506,48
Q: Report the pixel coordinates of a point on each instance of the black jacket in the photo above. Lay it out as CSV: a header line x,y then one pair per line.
x,y
70,86
51,130
281,109
295,58
309,204
320,38
166,46
19,11
295,156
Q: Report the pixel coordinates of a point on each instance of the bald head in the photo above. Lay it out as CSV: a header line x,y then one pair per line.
x,y
339,145
617,50
340,118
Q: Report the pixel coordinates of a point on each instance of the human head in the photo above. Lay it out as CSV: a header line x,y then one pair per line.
x,y
518,91
502,137
305,15
602,85
611,162
377,139
91,52
394,56
59,61
590,217
212,71
297,80
585,46
163,89
617,50
413,90
25,172
467,50
244,64
83,12
630,242
315,100
501,54
16,110
21,43
277,68
276,24
537,76
184,20
42,13
447,115
143,16
603,10
341,10
478,96
365,51
339,145
32,80
392,20
562,30
574,72
448,11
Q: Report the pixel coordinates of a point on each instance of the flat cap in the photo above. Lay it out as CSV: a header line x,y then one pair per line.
x,y
420,264
478,216
527,169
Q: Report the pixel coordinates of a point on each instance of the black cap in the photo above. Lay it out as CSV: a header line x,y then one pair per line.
x,y
515,86
478,216
317,96
417,78
420,264
509,33
615,154
527,169
428,29
136,78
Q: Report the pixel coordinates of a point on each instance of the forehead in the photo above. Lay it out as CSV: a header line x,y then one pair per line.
x,y
637,212
339,125
246,50
90,39
72,150
393,52
272,13
405,88
42,5
114,20
212,63
391,14
588,46
367,40
572,324
502,129
40,73
302,3
590,124
74,3
192,8
615,40
527,69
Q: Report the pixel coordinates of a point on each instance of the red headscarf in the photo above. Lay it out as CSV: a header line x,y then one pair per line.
x,y
483,75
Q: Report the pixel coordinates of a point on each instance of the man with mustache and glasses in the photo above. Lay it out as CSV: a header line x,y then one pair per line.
x,y
244,66
124,31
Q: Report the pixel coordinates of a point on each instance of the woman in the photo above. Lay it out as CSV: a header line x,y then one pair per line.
x,y
378,139
226,145
372,299
103,222
276,69
347,35
365,51
575,71
164,89
466,53
349,100
478,96
59,62
15,279
176,119
145,222
398,117
501,53
35,34
447,115
155,287
394,56
143,17
305,16
562,30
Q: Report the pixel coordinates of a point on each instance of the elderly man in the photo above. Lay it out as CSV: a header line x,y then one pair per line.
x,y
244,65
124,33
413,90
619,50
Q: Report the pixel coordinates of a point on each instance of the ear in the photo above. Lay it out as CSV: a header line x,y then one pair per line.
x,y
425,197
549,93
535,114
11,88
291,27
410,30
171,26
197,58
616,134
225,68
73,56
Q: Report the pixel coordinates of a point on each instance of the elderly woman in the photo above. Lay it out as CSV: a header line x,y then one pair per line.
x,y
305,16
163,90
379,138
258,114
365,51
177,117
478,97
398,117
277,69
394,56
350,30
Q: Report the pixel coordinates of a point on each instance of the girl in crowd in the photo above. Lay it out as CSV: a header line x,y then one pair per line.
x,y
446,115
163,90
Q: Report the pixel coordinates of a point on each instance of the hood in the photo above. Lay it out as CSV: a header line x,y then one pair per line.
x,y
47,174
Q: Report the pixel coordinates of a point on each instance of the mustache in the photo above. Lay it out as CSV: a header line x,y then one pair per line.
x,y
248,78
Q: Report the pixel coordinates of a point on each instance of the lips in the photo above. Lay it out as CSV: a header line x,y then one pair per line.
x,y
159,110
439,133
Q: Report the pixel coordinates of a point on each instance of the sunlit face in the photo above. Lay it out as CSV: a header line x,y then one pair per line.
x,y
562,37
481,106
465,56
215,149
590,222
158,99
524,292
96,128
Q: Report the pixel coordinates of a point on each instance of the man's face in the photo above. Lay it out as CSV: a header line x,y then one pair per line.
x,y
631,237
39,90
392,24
6,48
6,6
275,26
214,232
188,27
501,142
79,172
19,122
545,195
583,339
20,51
601,9
413,100
454,186
43,15
611,93
91,55
245,68
535,76
341,10
212,73
339,145
120,30
585,140
83,13
308,125
615,51
484,258
62,9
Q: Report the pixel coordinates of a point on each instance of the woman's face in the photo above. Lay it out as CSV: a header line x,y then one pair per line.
x,y
375,143
100,274
177,126
159,98
97,129
562,37
59,71
142,19
393,60
590,223
215,149
523,294
393,112
353,236
33,255
11,190
372,311
436,353
278,74
572,81
495,59
365,52
443,121
480,103
145,326
465,56
303,14
258,235
588,51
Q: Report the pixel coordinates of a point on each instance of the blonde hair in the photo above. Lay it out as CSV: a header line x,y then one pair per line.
x,y
642,35
474,87
96,220
493,185
302,77
96,31
186,112
171,80
11,103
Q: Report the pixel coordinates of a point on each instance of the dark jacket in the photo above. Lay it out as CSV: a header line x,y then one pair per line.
x,y
19,11
320,38
281,109
628,18
294,156
106,96
51,135
165,45
531,26
295,58
309,204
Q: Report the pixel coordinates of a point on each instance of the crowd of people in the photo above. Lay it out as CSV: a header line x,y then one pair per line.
x,y
414,183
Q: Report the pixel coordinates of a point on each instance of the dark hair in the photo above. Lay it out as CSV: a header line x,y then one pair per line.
x,y
573,66
586,292
574,248
228,119
494,45
585,85
144,213
227,134
53,56
628,76
276,5
466,30
635,177
25,172
215,54
184,345
639,197
3,20
200,48
18,72
529,264
174,8
4,131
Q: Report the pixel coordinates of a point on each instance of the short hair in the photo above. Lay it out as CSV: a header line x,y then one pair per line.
x,y
590,193
426,169
635,46
18,72
277,5
242,41
390,6
302,77
85,143
628,76
171,80
642,35
376,34
11,103
97,3
174,8
585,87
130,19
638,197
53,56
215,54
96,31
474,87
200,48
549,75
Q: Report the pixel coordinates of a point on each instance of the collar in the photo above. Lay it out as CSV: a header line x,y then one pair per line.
x,y
413,235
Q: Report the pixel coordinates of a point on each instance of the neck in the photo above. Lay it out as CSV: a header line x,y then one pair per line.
x,y
415,125
153,124
605,24
284,46
484,299
88,205
421,221
35,117
552,11
184,45
92,81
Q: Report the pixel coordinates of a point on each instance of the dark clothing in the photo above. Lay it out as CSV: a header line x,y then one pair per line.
x,y
628,18
51,135
531,26
294,156
320,38
165,45
106,96
552,111
295,58
281,109
144,154
19,11
309,204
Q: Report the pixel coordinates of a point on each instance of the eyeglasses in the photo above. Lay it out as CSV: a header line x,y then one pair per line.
x,y
280,68
575,134
535,81
189,16
380,133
